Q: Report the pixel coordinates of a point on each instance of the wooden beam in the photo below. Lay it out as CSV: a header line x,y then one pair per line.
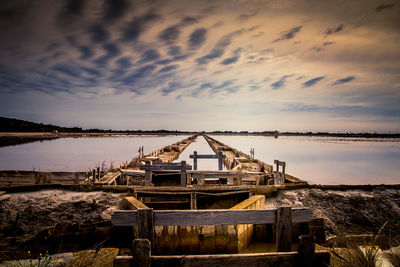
x,y
203,156
166,166
183,174
194,160
283,229
130,203
209,217
306,249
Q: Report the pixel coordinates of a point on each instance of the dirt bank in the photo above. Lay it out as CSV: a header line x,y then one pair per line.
x,y
28,218
347,212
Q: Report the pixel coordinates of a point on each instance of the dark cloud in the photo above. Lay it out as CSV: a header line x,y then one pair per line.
x,y
169,68
139,74
334,30
289,34
91,71
383,7
86,52
188,20
317,48
68,69
170,34
72,7
115,9
280,83
137,26
174,50
124,63
112,51
98,34
232,59
312,81
149,55
172,86
197,37
244,17
328,43
222,86
219,49
344,80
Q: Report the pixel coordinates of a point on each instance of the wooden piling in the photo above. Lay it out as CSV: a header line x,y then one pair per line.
x,y
183,174
148,176
283,229
141,251
145,224
306,251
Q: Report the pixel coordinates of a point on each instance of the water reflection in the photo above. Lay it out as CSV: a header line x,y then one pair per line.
x,y
327,160
201,146
79,154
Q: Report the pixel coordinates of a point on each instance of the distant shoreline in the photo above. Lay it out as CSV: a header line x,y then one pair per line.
x,y
17,138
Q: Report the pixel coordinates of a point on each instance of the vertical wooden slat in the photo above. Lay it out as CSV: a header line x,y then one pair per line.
x,y
194,160
283,229
145,224
183,174
193,201
148,175
141,252
220,160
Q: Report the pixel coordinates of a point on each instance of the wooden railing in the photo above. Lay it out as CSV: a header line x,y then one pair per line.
x,y
218,156
146,219
182,166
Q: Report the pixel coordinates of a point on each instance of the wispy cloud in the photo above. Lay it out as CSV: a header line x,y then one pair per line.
x,y
289,34
313,81
281,82
197,37
383,7
334,30
344,80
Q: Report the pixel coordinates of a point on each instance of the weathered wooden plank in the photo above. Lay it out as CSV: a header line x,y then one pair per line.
x,y
141,251
259,259
204,156
168,166
283,229
130,203
306,249
214,217
4,197
256,259
209,217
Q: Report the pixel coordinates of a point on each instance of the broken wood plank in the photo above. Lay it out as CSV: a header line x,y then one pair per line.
x,y
130,203
4,197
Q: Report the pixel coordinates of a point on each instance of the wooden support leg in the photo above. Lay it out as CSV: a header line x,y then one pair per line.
x,y
306,251
283,229
148,176
193,201
145,224
183,174
141,252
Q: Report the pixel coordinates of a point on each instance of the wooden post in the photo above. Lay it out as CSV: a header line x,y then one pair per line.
x,y
148,176
94,175
141,252
283,229
219,160
98,173
194,160
183,174
283,169
193,201
145,224
306,251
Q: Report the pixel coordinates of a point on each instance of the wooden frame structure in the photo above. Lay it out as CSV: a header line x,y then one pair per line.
x,y
218,156
149,168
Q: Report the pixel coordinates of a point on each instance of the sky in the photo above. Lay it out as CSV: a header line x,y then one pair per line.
x,y
253,65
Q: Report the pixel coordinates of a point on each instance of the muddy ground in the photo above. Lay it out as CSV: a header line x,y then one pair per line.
x,y
347,212
29,218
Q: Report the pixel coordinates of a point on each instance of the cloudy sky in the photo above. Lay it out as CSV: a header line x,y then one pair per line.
x,y
287,65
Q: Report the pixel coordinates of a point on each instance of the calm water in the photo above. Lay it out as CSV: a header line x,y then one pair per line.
x,y
79,154
327,160
317,160
202,148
